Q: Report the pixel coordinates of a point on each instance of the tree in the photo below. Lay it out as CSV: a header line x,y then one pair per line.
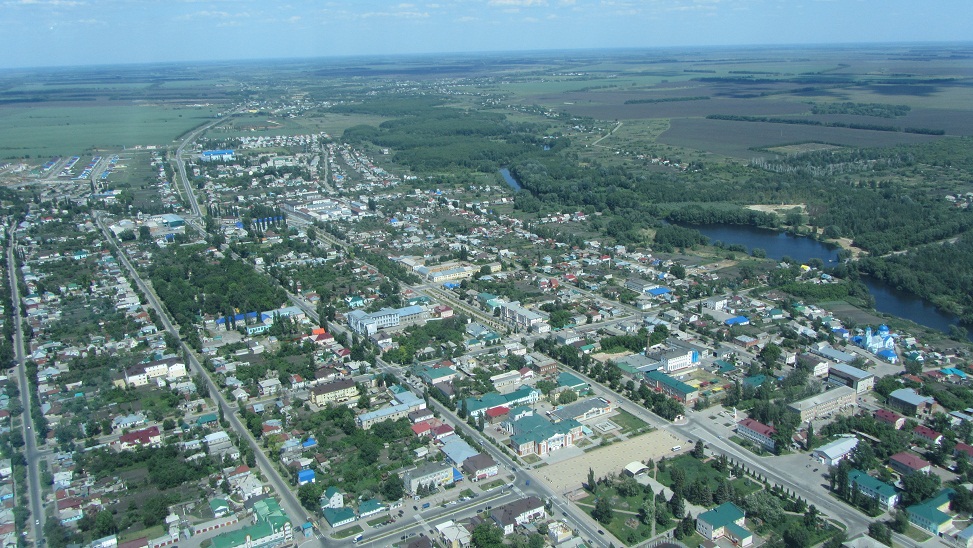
x,y
566,397
392,488
603,511
105,524
919,486
676,505
769,355
880,532
863,456
591,480
900,521
698,450
487,535
796,536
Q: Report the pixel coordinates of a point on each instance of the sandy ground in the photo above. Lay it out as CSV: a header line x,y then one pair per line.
x,y
569,475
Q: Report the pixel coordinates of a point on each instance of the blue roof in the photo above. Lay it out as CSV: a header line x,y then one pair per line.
x,y
457,476
737,320
305,475
656,291
953,371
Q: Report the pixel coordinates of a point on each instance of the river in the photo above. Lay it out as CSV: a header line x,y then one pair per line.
x,y
510,179
888,299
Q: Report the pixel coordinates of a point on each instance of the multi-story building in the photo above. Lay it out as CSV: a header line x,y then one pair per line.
x,y
480,466
930,514
846,375
832,401
672,387
535,435
334,392
906,463
885,494
757,432
911,403
434,474
368,324
890,418
525,319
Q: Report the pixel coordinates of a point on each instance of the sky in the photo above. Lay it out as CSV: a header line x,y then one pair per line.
x,y
37,33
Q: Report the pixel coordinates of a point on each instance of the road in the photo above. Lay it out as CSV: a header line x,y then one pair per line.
x,y
288,500
27,394
181,164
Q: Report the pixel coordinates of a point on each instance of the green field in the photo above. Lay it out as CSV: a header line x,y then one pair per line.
x,y
40,132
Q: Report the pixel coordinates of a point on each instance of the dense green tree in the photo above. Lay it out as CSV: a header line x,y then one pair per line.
x,y
603,511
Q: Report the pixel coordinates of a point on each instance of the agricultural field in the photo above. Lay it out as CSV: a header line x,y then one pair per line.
x,y
46,131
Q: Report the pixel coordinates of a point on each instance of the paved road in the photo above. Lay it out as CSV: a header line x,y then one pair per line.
x,y
27,394
181,164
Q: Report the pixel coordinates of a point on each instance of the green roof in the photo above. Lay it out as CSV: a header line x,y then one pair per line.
x,y
235,539
929,508
569,380
679,386
206,419
370,505
722,515
331,491
755,381
725,366
737,531
338,515
870,483
270,519
535,428
216,504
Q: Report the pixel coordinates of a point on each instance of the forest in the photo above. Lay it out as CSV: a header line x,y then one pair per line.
x,y
193,284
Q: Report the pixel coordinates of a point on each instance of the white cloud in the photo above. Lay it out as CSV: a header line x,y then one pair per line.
x,y
518,3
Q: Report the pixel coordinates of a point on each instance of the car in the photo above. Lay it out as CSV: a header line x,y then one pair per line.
x,y
37,522
815,470
414,507
600,532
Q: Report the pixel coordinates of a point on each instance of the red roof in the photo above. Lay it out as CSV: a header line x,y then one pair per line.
x,y
142,437
420,428
758,427
442,430
909,460
962,447
885,415
497,411
926,432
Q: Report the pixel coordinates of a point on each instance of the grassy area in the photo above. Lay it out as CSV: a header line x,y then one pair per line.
x,y
531,459
152,532
630,423
917,534
621,526
693,469
345,533
492,485
377,521
745,486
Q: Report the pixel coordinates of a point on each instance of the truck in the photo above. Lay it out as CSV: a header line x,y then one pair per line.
x,y
426,505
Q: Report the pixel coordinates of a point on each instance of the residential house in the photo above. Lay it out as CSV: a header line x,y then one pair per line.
x,y
891,418
926,434
517,513
907,463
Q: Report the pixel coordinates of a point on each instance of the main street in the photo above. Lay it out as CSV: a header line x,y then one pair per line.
x,y
288,500
27,395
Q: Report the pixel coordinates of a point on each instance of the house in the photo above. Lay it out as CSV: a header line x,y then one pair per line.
x,y
884,493
305,476
269,387
671,387
219,507
844,374
332,498
757,432
454,535
891,418
930,514
960,448
517,513
568,381
147,436
926,434
480,466
907,463
726,520
831,401
832,453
